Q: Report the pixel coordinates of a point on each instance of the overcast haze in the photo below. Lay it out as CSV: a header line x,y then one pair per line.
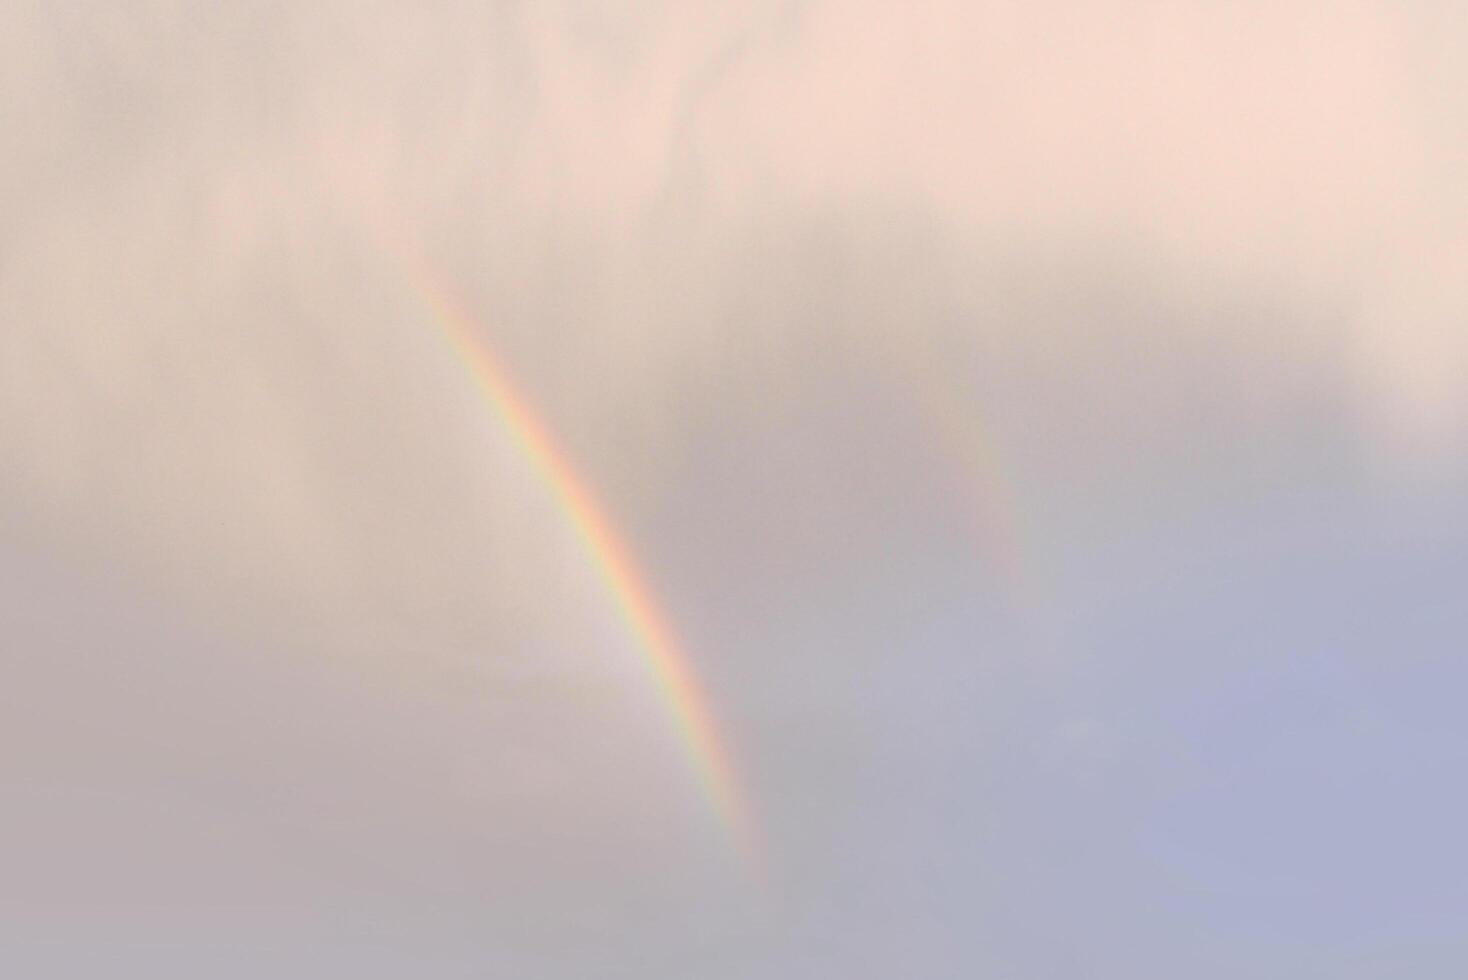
x,y
1044,425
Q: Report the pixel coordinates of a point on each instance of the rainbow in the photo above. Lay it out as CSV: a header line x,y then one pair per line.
x,y
996,521
635,602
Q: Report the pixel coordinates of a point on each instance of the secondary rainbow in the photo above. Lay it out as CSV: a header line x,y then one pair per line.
x,y
635,602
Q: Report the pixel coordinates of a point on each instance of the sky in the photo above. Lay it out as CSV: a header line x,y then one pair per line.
x,y
747,489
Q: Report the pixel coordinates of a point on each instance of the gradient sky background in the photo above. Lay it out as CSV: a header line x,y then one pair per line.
x,y
1045,425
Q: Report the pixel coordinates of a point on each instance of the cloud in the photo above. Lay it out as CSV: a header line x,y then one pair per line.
x,y
873,324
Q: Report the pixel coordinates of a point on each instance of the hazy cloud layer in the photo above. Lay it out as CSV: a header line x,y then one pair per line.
x,y
956,370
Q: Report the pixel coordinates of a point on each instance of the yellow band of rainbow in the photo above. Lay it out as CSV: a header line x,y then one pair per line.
x,y
635,602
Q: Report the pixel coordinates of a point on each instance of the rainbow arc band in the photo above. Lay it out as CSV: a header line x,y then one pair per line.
x,y
635,602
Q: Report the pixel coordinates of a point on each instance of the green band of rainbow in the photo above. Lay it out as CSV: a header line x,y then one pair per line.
x,y
635,602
